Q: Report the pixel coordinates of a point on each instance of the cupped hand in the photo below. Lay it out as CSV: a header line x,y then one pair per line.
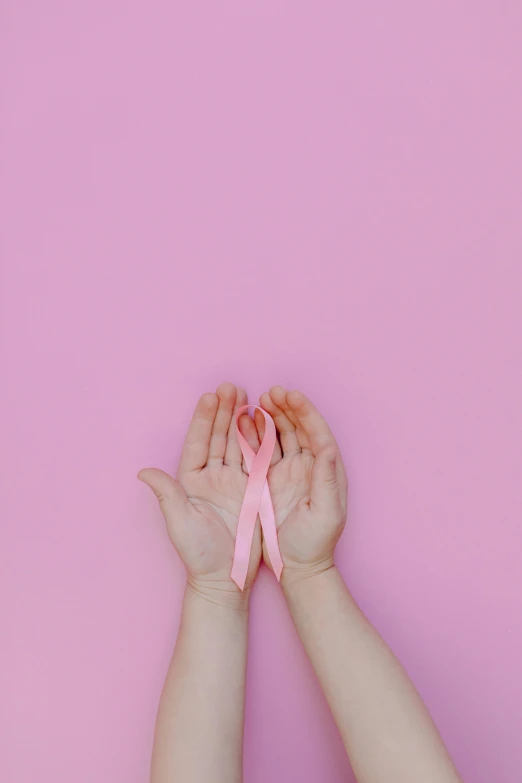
x,y
307,481
201,505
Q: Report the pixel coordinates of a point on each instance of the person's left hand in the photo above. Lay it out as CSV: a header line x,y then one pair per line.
x,y
201,506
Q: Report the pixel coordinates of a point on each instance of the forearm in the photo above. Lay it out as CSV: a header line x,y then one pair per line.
x,y
386,729
199,729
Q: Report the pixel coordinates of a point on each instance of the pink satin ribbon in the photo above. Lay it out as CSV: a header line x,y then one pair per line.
x,y
256,500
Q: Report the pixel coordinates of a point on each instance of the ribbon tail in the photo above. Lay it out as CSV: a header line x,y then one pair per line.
x,y
266,512
244,536
245,529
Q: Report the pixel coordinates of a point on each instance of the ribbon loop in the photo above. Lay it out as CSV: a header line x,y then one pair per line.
x,y
256,500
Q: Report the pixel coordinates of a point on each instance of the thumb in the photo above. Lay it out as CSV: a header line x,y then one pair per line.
x,y
324,487
171,495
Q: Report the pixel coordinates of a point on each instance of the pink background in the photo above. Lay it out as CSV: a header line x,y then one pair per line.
x,y
325,195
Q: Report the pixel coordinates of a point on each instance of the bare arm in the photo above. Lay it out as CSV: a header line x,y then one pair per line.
x,y
199,728
387,731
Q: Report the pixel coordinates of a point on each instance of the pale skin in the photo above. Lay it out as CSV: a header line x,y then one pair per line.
x,y
386,729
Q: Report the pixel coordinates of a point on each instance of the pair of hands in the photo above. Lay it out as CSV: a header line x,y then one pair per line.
x,y
201,506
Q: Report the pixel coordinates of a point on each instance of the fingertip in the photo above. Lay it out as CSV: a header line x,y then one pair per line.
x,y
151,475
209,401
278,394
295,398
226,390
259,420
241,401
146,476
248,430
264,399
244,422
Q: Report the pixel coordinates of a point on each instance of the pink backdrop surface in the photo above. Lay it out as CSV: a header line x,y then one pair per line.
x,y
325,195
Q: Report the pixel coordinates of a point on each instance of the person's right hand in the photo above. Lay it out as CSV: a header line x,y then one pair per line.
x,y
201,506
307,482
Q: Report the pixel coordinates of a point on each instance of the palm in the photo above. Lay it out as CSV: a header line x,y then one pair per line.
x,y
201,507
289,483
217,487
214,494
300,531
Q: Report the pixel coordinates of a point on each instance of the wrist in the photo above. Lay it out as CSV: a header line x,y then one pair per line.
x,y
322,598
225,595
295,573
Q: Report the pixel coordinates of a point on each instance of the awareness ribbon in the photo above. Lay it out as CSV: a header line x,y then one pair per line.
x,y
256,500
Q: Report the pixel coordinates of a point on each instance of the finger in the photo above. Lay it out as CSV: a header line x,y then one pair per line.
x,y
325,489
226,393
259,421
195,449
248,430
233,453
286,429
171,495
311,422
342,478
280,396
